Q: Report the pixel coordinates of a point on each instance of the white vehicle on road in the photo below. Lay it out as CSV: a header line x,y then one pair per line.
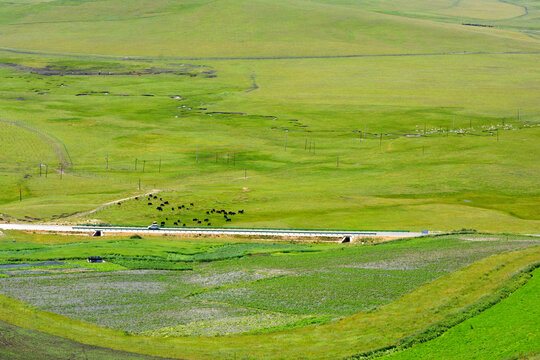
x,y
154,226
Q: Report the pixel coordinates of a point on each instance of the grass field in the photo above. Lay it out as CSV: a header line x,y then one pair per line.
x,y
507,330
382,115
225,287
445,139
402,280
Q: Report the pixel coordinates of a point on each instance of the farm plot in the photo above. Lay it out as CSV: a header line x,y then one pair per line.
x,y
229,291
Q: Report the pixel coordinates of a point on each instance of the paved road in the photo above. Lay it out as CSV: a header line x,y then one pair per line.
x,y
210,231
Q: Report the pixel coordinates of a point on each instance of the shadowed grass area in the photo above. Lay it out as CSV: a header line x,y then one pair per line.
x,y
23,344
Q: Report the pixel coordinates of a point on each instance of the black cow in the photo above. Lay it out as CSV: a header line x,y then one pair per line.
x,y
149,203
159,208
172,208
240,211
166,203
228,220
191,204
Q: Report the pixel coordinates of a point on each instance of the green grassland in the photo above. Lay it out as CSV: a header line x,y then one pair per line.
x,y
507,330
212,91
274,300
171,287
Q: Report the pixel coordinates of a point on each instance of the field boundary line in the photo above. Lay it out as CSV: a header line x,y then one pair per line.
x,y
281,57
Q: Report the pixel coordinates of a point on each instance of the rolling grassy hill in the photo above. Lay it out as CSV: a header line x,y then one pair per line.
x,y
431,125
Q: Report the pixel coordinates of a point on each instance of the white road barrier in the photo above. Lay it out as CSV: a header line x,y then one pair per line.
x,y
210,231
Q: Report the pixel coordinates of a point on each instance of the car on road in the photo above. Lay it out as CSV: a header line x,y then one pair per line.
x,y
154,226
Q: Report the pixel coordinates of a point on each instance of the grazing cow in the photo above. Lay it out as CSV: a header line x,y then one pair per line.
x,y
162,204
191,204
195,219
232,213
149,203
187,208
159,208
155,197
119,203
172,208
209,224
199,222
175,223
160,199
208,213
136,198
166,203
166,218
184,225
228,220
240,211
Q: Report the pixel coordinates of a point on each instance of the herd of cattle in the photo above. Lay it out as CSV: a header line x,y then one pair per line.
x,y
164,205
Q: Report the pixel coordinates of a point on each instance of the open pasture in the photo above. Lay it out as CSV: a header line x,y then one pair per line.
x,y
307,114
433,159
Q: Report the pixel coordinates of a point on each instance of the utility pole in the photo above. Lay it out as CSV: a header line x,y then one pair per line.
x,y
20,193
143,165
136,164
46,170
139,183
39,169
